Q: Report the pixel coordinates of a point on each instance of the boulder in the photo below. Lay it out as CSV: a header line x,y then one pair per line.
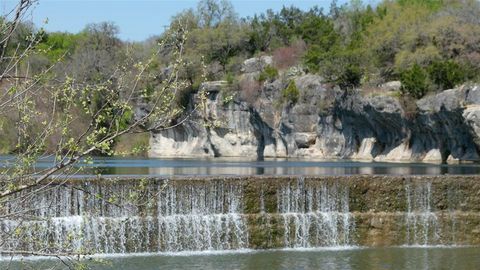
x,y
391,86
256,64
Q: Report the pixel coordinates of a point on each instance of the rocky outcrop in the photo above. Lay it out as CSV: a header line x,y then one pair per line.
x,y
256,64
326,123
391,86
217,129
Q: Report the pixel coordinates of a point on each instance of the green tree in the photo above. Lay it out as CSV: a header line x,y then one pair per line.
x,y
415,81
262,32
287,23
57,45
446,74
430,4
221,43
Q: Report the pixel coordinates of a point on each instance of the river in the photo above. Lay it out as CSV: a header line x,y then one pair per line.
x,y
419,258
217,218
244,166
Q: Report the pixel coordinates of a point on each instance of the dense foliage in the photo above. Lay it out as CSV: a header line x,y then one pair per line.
x,y
350,45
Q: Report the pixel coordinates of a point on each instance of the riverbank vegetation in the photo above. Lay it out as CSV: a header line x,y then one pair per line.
x,y
427,45
352,45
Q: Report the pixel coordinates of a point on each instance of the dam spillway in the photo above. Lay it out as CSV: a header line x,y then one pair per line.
x,y
129,215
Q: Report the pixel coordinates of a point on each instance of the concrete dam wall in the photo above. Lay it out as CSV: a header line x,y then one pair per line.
x,y
229,213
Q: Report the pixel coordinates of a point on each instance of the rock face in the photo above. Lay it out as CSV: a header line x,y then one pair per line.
x,y
256,64
326,123
391,86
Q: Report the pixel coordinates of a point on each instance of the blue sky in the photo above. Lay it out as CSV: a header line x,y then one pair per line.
x,y
137,19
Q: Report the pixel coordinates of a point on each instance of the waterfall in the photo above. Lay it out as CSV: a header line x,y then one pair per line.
x,y
206,218
186,218
421,222
314,215
198,214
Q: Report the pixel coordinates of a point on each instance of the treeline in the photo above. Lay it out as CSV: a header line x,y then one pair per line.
x,y
427,44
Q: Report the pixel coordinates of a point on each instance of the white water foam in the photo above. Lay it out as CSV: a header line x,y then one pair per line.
x,y
315,216
422,226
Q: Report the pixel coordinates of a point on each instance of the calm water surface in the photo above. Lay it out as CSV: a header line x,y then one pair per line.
x,y
235,166
363,259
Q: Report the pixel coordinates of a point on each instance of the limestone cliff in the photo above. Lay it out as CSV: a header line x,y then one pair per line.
x,y
325,123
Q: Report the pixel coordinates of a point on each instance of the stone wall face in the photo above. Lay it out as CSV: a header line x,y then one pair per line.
x,y
325,123
181,214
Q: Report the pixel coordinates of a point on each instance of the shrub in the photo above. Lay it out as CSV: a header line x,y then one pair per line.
x,y
291,93
409,106
446,74
415,81
286,57
268,74
313,57
350,77
9,134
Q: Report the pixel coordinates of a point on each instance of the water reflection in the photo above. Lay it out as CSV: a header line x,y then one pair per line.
x,y
235,166
359,259
316,168
371,259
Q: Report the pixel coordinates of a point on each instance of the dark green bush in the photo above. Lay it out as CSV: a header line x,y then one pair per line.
x,y
313,57
415,81
291,93
350,77
446,74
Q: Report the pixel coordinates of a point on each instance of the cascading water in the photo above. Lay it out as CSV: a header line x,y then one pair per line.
x,y
156,215
204,217
315,216
421,222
